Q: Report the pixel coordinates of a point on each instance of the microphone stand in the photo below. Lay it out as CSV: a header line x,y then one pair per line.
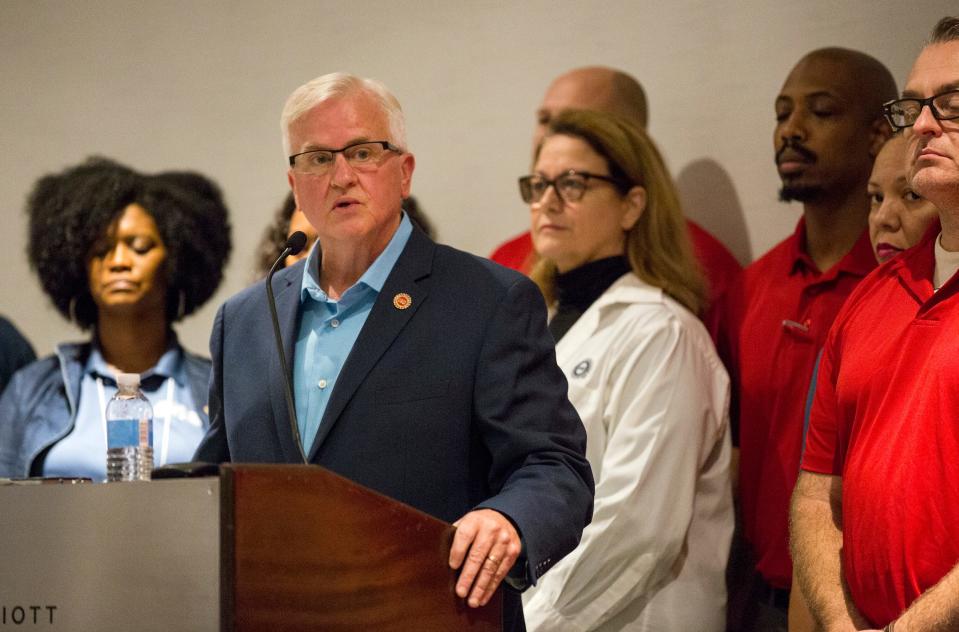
x,y
293,246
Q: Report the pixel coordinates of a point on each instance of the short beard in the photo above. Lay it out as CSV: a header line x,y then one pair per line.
x,y
799,193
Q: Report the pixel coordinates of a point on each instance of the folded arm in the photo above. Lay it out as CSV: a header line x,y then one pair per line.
x,y
937,610
816,543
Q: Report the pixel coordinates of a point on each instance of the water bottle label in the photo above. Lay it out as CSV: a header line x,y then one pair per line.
x,y
122,433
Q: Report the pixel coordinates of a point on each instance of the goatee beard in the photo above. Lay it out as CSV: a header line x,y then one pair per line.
x,y
799,193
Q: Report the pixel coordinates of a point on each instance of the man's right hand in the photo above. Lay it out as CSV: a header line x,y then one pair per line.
x,y
485,547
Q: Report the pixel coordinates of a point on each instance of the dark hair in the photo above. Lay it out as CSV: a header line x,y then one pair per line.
x,y
945,30
194,223
274,237
70,211
418,217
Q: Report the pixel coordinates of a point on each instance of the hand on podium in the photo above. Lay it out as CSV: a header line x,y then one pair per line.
x,y
488,544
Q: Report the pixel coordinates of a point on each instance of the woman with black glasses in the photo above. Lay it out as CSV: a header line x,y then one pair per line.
x,y
616,267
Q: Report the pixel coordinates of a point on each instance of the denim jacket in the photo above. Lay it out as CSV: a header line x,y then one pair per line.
x,y
39,406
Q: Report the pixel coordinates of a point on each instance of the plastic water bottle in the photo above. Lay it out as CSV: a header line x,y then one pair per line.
x,y
129,432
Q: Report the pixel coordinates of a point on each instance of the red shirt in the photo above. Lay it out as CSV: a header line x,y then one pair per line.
x,y
517,253
719,265
776,319
721,269
886,419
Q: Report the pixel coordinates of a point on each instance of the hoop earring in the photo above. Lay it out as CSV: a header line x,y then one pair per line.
x,y
181,305
72,310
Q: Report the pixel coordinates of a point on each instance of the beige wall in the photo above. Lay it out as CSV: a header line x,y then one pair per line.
x,y
200,84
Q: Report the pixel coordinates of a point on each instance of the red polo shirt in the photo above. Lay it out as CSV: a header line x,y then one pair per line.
x,y
886,419
775,321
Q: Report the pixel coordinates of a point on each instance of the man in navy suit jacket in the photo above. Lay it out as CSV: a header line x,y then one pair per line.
x,y
420,371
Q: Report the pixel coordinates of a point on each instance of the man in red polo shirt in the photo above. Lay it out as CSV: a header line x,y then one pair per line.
x,y
876,510
615,92
775,317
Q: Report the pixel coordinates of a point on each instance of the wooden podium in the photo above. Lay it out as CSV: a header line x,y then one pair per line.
x,y
305,549
262,547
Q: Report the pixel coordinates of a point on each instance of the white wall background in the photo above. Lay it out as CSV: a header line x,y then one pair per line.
x,y
199,85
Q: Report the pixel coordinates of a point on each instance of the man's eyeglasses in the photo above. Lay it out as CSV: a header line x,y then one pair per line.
x,y
364,156
902,113
570,186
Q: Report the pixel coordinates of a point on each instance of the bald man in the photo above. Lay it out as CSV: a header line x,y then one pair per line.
x,y
613,91
829,128
592,88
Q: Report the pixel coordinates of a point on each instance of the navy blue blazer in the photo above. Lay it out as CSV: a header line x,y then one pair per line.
x,y
452,404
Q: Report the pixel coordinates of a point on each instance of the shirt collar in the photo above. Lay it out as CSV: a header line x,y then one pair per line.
x,y
167,366
375,276
915,266
859,261
799,259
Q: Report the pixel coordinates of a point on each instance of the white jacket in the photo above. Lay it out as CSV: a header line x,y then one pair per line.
x,y
654,397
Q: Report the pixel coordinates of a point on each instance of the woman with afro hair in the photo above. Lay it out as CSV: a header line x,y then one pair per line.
x,y
122,255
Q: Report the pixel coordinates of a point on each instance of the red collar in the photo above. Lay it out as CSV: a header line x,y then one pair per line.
x,y
915,268
859,261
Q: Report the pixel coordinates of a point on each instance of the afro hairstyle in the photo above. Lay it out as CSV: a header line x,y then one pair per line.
x,y
71,211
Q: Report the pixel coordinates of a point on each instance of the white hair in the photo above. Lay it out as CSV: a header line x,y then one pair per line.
x,y
337,84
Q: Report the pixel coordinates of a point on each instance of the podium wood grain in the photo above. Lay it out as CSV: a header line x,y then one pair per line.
x,y
306,549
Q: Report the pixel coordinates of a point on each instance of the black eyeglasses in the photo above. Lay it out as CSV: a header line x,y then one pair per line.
x,y
362,156
902,113
570,186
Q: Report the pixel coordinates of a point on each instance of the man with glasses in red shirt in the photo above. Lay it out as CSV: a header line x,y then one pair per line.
x,y
876,509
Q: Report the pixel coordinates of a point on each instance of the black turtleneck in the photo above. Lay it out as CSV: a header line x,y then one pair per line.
x,y
577,289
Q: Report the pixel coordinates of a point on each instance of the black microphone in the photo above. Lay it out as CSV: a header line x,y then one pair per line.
x,y
294,244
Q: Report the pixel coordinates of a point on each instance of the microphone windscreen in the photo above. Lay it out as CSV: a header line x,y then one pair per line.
x,y
296,242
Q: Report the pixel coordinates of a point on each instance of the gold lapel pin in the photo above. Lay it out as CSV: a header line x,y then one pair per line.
x,y
402,300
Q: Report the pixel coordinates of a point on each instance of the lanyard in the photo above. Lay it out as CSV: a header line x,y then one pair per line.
x,y
167,419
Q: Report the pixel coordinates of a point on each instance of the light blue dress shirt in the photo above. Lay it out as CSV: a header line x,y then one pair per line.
x,y
177,427
329,328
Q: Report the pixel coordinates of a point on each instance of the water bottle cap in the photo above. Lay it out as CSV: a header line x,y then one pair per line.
x,y
128,380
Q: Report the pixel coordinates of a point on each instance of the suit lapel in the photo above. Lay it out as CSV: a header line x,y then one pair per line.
x,y
410,276
286,290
